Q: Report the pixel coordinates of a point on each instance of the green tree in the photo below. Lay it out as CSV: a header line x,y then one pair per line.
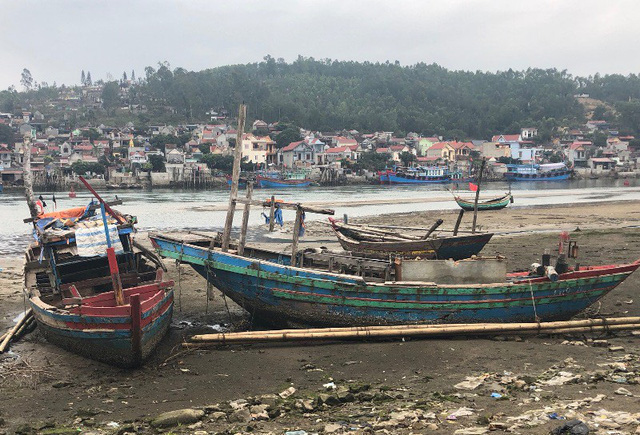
x,y
220,162
26,79
374,161
110,96
287,136
407,158
6,135
157,163
204,148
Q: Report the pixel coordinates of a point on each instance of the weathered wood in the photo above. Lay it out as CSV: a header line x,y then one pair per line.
x,y
433,228
136,328
458,221
9,335
245,219
272,212
116,215
475,204
296,236
92,207
287,206
151,255
237,157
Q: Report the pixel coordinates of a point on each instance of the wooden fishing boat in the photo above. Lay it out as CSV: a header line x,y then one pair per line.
x,y
374,242
485,204
272,289
278,183
111,305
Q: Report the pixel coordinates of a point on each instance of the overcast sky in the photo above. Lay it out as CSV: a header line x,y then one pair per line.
x,y
57,39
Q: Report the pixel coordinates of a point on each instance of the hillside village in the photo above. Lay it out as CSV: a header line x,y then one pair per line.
x,y
200,153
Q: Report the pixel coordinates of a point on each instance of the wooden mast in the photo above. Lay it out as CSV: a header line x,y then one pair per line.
x,y
475,203
237,157
27,177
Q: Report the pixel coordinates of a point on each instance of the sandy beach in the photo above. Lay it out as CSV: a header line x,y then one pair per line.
x,y
393,386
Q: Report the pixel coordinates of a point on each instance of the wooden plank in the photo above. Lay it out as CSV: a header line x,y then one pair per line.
x,y
245,219
272,211
289,206
455,229
237,157
296,236
475,204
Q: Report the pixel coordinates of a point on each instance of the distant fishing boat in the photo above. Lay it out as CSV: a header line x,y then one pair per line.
x,y
376,242
417,175
1,188
288,179
543,172
484,204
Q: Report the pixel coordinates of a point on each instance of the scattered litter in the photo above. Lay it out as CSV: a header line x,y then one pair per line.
x,y
572,427
218,327
296,432
460,412
288,392
561,378
471,382
113,425
555,416
496,395
624,392
329,386
472,431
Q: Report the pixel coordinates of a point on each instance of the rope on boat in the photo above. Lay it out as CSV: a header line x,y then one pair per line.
x,y
533,301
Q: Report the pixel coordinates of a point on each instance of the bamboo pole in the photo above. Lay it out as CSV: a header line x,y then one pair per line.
x,y
475,203
417,330
9,335
245,219
296,236
237,157
272,211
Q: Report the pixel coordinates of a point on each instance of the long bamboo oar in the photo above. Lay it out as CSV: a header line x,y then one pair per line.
x,y
409,330
13,330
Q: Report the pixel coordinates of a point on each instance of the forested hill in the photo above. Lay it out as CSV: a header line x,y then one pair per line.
x,y
334,95
331,95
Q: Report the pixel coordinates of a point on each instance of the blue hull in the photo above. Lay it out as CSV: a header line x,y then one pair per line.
x,y
276,184
279,292
394,179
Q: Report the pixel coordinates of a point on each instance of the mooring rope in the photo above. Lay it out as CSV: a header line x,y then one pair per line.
x,y
533,301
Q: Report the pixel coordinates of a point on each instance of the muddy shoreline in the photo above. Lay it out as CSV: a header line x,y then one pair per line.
x,y
394,386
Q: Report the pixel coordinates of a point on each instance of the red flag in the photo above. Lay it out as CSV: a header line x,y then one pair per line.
x,y
473,187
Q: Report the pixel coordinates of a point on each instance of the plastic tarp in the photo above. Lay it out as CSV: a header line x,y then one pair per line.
x,y
92,241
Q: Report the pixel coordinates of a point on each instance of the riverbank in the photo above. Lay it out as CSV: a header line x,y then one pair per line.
x,y
521,384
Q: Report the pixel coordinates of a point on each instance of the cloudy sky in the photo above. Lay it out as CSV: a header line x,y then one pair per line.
x,y
57,39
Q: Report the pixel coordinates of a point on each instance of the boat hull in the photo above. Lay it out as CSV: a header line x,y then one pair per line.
x,y
275,183
496,204
106,338
276,291
537,177
394,179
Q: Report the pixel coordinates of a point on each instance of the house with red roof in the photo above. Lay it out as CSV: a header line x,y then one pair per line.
x,y
6,155
304,153
451,151
577,152
343,152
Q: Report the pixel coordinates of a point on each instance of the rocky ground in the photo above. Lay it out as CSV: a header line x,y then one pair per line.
x,y
464,385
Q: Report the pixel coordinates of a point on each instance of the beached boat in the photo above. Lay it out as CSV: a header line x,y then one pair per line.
x,y
293,179
544,172
485,204
273,290
418,175
74,285
375,242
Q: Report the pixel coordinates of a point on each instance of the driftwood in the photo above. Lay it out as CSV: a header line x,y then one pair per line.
x,y
595,325
12,332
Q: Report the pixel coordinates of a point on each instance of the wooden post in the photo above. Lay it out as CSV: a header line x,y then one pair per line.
x,y
475,204
272,212
27,176
136,329
455,229
235,177
432,229
245,219
296,235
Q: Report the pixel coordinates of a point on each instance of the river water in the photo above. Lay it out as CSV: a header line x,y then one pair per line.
x,y
167,209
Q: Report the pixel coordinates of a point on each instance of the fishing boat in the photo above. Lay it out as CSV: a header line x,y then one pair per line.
x,y
485,204
417,175
376,242
326,288
285,180
535,172
93,290
272,289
